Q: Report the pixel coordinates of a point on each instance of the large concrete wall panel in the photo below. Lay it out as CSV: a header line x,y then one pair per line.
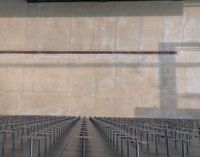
x,y
100,85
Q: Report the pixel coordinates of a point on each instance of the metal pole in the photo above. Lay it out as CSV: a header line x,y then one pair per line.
x,y
83,147
183,149
31,148
3,142
13,145
128,148
147,140
137,149
117,142
156,143
38,147
45,144
167,142
121,146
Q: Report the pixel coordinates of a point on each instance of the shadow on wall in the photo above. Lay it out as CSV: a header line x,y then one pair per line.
x,y
78,65
157,112
20,8
168,107
169,46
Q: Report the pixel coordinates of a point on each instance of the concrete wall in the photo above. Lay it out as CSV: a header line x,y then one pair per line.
x,y
100,85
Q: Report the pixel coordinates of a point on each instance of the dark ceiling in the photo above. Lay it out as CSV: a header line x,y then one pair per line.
x,y
92,0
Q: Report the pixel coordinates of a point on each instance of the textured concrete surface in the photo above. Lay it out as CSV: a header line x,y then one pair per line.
x,y
100,85
97,25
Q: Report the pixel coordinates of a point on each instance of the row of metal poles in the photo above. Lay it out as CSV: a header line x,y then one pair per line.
x,y
34,135
83,137
161,137
37,136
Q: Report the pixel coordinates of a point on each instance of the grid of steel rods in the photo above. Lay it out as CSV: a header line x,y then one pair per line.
x,y
138,137
49,136
37,134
